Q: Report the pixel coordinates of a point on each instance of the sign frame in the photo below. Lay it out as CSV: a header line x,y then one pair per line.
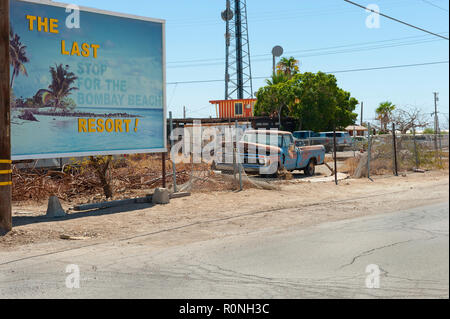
x,y
164,88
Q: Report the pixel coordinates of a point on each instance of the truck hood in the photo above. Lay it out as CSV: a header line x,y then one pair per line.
x,y
254,147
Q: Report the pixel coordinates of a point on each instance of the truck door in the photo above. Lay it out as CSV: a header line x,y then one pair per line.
x,y
290,152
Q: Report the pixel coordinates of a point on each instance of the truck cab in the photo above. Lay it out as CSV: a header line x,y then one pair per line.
x,y
268,152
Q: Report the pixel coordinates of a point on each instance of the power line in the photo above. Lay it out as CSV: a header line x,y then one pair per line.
x,y
434,5
396,20
333,72
389,67
263,17
324,48
349,50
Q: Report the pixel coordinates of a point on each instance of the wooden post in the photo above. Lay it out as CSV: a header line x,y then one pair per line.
x,y
5,128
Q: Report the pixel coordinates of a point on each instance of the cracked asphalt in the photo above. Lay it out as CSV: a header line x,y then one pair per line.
x,y
410,248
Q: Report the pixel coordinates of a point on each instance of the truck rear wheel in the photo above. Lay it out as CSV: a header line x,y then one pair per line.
x,y
310,170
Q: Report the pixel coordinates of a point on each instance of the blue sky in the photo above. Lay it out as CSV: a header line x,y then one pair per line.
x,y
309,30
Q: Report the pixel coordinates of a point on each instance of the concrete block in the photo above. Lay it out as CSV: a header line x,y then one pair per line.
x,y
161,196
54,208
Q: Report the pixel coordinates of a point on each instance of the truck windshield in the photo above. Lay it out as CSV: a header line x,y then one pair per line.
x,y
266,139
338,134
301,135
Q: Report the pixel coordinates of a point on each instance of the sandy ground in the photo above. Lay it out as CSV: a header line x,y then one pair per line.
x,y
205,216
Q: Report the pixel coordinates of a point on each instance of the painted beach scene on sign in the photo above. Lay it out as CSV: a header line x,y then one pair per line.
x,y
85,84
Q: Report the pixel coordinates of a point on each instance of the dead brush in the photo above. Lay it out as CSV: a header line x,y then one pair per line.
x,y
128,176
350,166
285,175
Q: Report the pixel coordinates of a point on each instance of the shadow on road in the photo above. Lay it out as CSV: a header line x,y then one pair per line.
x,y
26,220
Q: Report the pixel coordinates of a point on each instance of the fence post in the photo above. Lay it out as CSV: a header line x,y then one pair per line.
x,y
416,155
335,157
174,168
354,141
238,161
369,151
440,145
395,150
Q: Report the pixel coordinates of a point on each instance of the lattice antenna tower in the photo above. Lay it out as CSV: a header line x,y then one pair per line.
x,y
238,71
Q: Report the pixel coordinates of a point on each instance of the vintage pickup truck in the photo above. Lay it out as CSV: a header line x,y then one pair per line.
x,y
268,152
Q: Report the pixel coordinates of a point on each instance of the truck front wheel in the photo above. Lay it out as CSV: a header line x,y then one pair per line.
x,y
310,170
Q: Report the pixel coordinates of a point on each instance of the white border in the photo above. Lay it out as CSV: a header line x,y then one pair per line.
x,y
138,151
93,10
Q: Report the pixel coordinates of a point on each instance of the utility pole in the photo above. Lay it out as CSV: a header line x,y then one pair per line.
x,y
437,130
184,112
5,125
362,113
274,66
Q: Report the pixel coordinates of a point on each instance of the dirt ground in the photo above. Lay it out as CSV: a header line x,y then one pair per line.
x,y
204,216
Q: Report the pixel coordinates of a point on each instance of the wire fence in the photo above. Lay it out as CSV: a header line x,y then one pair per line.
x,y
396,154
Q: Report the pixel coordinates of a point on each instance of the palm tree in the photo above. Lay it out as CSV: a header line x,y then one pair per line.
x,y
384,112
17,56
277,79
288,66
61,86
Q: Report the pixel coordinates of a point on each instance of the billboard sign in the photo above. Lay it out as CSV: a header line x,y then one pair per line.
x,y
85,82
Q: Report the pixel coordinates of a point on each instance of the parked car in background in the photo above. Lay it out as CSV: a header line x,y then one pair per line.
x,y
343,139
312,138
361,142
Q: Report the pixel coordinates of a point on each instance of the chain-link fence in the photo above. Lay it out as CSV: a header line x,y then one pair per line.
x,y
400,153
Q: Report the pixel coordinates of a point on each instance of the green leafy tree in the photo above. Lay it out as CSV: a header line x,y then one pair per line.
x,y
314,99
384,113
17,56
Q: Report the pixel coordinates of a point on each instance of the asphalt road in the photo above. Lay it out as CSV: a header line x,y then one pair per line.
x,y
410,249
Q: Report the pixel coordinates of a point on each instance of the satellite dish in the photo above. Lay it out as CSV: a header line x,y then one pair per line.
x,y
277,51
227,15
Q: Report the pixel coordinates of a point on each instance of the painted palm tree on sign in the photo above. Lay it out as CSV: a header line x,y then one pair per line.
x,y
60,88
17,56
288,66
384,112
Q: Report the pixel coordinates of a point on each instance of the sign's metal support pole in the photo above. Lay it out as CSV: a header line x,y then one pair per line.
x,y
164,184
174,168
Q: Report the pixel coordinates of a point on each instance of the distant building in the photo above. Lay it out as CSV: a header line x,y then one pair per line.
x,y
234,108
355,130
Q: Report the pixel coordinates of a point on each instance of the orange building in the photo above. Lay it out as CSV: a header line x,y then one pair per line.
x,y
234,108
